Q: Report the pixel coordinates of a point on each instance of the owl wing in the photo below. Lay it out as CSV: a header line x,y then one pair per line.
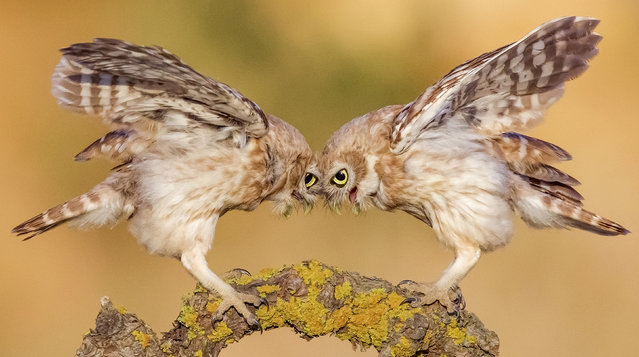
x,y
137,89
507,89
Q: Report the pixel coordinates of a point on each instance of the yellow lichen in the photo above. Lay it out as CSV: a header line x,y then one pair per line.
x,y
142,338
197,353
121,309
242,280
267,273
400,311
343,290
315,319
269,317
371,315
267,289
308,311
339,318
367,323
458,335
212,306
313,273
220,331
364,317
312,315
188,317
403,348
263,275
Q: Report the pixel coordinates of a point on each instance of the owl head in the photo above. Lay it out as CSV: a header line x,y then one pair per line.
x,y
346,180
293,167
301,188
348,164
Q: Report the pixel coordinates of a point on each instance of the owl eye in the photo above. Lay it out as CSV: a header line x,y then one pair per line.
x,y
309,180
340,178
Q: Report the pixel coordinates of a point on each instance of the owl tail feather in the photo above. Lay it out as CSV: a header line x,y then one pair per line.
x,y
557,207
98,207
575,216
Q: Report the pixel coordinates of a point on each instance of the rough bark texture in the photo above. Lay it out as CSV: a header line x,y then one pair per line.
x,y
314,300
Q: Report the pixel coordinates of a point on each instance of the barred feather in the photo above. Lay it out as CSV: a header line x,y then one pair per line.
x,y
96,208
507,89
555,189
525,149
118,145
574,215
529,156
128,85
543,172
543,204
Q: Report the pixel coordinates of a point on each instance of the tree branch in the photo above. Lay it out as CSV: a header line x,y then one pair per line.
x,y
313,299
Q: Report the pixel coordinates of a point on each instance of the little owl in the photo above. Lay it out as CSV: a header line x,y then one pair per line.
x,y
189,149
453,157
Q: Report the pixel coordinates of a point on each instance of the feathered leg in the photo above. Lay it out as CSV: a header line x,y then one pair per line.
x,y
194,260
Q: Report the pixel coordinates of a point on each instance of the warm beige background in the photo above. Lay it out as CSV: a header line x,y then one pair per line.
x,y
558,293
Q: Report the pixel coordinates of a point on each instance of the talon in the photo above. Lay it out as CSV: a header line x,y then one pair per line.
x,y
235,274
455,309
407,281
408,300
242,271
457,299
265,302
253,322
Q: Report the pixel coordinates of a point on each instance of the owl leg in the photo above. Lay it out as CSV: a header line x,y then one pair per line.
x,y
445,290
195,262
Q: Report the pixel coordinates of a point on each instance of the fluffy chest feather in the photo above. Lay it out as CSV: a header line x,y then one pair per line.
x,y
449,181
180,196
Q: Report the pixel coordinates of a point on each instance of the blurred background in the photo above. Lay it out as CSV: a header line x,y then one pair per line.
x,y
317,66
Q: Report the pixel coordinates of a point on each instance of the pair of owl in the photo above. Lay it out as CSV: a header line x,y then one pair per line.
x,y
191,148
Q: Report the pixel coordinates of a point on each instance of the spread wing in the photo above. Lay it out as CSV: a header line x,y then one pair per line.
x,y
139,90
507,89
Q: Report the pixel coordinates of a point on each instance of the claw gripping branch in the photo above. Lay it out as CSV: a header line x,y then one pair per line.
x,y
314,300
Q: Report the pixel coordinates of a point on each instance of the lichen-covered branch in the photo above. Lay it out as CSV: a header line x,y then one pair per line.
x,y
314,300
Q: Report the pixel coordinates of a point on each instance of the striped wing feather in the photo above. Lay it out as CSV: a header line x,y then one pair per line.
x,y
507,89
137,88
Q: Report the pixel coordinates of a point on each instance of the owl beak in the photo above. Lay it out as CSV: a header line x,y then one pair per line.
x,y
352,195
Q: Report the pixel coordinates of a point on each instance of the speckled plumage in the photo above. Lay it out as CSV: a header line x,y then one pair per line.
x,y
189,149
451,157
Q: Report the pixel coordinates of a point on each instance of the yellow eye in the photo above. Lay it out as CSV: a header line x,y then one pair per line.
x,y
309,180
340,178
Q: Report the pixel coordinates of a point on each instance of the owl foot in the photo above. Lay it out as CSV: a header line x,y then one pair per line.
x,y
238,301
427,294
